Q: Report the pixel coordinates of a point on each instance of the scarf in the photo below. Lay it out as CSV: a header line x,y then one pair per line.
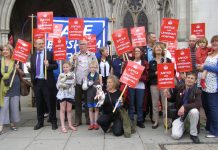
x,y
5,76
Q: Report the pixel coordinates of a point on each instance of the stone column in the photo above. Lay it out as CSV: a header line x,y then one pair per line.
x,y
3,36
183,14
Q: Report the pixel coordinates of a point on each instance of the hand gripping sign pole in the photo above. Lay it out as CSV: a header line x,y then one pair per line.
x,y
120,99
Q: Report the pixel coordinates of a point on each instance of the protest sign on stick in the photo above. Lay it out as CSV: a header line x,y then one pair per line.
x,y
183,60
165,78
59,50
138,36
121,41
130,77
45,25
20,54
198,29
169,28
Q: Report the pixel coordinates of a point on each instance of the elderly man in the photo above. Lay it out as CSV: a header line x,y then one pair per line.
x,y
187,99
81,62
43,86
192,45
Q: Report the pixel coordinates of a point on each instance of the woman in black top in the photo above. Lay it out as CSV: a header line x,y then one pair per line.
x,y
107,117
158,58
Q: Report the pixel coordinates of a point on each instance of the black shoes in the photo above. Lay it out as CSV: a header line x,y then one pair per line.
x,y
195,139
38,126
54,126
154,126
140,124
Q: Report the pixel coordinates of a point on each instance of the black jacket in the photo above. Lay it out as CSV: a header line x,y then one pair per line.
x,y
52,66
152,69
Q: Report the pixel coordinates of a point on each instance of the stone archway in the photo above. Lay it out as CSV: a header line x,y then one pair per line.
x,y
83,8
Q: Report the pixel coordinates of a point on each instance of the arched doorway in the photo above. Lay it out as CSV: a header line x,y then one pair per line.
x,y
20,23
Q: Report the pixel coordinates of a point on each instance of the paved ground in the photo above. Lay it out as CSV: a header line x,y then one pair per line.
x,y
44,139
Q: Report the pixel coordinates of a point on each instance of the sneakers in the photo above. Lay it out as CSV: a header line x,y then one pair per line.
x,y
210,136
195,139
140,124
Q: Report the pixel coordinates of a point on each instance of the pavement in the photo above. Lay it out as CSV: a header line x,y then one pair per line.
x,y
44,139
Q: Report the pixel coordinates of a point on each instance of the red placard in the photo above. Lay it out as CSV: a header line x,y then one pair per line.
x,y
138,36
57,30
59,48
132,74
76,27
21,51
169,28
45,22
183,60
165,75
198,29
121,41
172,47
91,39
38,35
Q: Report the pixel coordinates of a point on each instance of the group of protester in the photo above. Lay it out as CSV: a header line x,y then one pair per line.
x,y
83,72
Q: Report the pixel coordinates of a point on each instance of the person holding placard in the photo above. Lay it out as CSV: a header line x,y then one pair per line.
x,y
137,94
159,58
81,63
9,97
108,117
43,86
188,102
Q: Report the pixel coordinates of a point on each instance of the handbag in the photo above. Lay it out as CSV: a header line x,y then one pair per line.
x,y
24,85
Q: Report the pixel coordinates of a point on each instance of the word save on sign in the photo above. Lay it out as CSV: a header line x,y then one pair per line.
x,y
121,41
169,28
138,36
76,27
45,22
59,48
21,51
165,75
132,74
198,29
183,60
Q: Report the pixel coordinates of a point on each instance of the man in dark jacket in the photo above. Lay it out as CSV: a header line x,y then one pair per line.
x,y
43,86
188,102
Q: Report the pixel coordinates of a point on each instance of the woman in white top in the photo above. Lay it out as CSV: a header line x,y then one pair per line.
x,y
104,65
210,93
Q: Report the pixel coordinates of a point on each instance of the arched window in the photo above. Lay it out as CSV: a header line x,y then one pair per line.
x,y
167,11
143,20
128,21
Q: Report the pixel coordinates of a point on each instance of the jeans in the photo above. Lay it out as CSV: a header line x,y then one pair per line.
x,y
138,95
210,105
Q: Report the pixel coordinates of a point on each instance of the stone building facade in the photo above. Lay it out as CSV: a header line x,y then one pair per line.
x,y
127,13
